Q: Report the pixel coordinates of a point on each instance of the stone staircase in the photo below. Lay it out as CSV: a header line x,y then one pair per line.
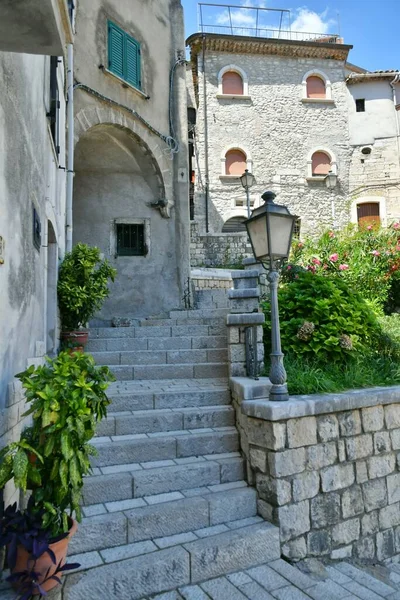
x,y
167,504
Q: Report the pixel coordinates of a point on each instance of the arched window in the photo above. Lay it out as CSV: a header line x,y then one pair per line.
x,y
321,164
232,83
234,225
316,87
235,162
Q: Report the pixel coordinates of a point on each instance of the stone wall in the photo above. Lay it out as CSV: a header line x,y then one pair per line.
x,y
217,250
326,468
277,131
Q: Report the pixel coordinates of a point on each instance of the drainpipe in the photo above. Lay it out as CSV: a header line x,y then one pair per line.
x,y
392,84
70,146
207,180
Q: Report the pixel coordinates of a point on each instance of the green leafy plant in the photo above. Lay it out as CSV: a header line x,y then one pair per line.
x,y
368,259
67,397
82,285
323,319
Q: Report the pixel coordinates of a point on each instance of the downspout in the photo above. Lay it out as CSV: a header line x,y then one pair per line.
x,y
207,181
70,146
392,84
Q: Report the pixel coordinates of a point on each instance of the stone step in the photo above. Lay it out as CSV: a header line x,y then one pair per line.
x,y
128,344
158,331
170,357
164,515
172,567
119,450
175,371
151,421
167,394
119,484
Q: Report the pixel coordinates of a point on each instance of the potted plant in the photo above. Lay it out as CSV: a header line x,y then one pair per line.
x,y
82,288
66,398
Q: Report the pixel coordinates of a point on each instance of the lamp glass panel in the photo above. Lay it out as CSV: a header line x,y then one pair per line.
x,y
280,232
257,230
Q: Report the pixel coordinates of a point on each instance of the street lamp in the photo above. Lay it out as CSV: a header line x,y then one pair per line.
x,y
247,180
270,229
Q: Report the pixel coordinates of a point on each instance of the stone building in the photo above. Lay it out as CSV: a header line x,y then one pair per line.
x,y
374,128
131,170
286,111
33,39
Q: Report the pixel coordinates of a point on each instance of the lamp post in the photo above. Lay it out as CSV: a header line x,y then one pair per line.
x,y
270,229
247,180
330,182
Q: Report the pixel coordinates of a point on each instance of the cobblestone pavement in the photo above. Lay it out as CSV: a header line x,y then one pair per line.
x,y
278,580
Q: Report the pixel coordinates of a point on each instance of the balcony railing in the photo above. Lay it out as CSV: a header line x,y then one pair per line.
x,y
272,23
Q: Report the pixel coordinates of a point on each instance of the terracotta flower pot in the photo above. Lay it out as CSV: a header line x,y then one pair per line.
x,y
75,339
44,563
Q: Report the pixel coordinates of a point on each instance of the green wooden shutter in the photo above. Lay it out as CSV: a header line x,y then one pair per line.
x,y
132,70
116,50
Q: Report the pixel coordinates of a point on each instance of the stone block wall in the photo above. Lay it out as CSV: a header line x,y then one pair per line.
x,y
217,250
327,470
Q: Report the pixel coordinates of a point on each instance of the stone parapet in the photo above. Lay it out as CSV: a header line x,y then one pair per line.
x,y
326,468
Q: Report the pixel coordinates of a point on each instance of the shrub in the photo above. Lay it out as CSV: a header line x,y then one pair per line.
x,y
82,285
322,318
368,259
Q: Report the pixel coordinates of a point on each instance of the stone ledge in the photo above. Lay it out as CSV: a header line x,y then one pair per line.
x,y
248,389
242,319
302,406
248,274
244,293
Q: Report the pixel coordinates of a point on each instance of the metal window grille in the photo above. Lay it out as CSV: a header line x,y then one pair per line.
x,y
37,230
297,228
130,240
54,114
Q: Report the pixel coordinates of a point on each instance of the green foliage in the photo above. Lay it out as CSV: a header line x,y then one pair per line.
x,y
368,259
310,376
66,398
323,319
82,285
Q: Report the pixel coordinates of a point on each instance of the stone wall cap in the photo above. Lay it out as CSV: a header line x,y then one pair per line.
x,y
255,318
317,404
248,274
245,293
247,388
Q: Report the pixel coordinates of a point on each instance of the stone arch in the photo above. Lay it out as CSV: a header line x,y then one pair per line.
x,y
88,118
240,148
234,69
323,150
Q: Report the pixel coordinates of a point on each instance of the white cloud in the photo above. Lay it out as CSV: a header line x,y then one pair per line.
x,y
309,21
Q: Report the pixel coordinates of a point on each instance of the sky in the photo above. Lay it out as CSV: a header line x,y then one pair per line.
x,y
371,26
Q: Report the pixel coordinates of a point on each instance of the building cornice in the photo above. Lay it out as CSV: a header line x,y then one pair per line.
x,y
378,75
255,45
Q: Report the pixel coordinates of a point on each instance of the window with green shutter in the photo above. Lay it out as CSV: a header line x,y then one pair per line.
x,y
123,55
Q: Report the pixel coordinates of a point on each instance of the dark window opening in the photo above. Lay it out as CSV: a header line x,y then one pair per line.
x,y
297,228
360,105
54,113
191,133
37,230
234,225
130,240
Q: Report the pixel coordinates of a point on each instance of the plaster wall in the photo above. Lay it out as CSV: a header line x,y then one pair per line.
x,y
278,132
29,176
379,118
155,283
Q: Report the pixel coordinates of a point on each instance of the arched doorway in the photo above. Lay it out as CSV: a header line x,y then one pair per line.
x,y
117,185
234,225
51,304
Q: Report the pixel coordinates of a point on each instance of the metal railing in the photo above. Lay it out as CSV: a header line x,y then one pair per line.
x,y
228,19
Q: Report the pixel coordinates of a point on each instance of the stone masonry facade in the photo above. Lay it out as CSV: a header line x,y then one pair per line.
x,y
327,470
221,250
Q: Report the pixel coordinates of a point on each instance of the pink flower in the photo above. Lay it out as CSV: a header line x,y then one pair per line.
x,y
396,225
343,267
375,253
315,261
369,227
334,257
300,245
325,267
311,268
288,267
331,234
